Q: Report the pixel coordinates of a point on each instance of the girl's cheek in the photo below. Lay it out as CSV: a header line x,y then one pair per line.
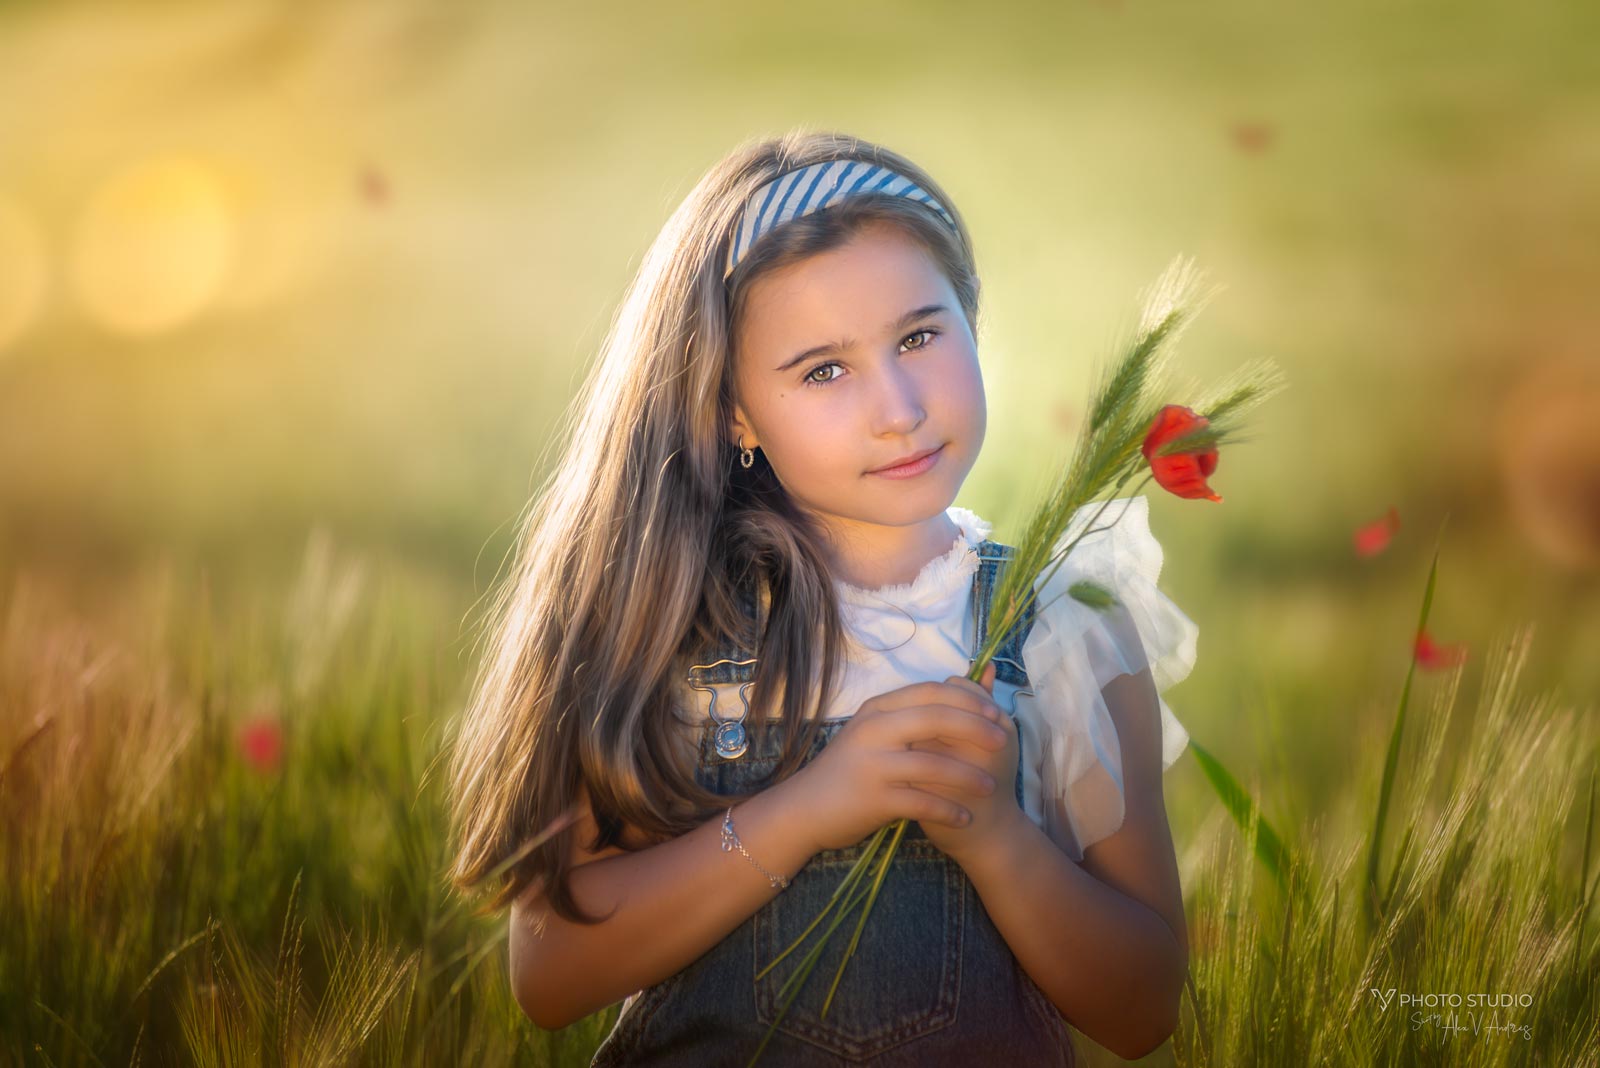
x,y
972,396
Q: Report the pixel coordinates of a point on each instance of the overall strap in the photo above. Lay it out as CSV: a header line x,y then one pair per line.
x,y
993,558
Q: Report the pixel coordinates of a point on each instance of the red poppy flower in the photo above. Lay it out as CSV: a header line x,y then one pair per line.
x,y
1373,538
1434,657
1181,473
261,744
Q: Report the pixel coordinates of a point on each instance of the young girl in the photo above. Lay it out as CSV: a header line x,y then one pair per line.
x,y
735,645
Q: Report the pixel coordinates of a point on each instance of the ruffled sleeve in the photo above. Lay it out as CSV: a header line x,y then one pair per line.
x,y
1072,758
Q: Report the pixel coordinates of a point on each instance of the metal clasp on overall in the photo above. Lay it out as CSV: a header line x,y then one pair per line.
x,y
729,736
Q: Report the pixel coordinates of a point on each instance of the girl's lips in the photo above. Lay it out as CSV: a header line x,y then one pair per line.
x,y
912,469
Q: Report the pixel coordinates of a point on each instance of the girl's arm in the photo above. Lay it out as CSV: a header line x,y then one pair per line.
x,y
673,902
1105,941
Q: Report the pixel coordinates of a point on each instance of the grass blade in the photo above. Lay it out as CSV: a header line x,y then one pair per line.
x,y
1270,850
1391,760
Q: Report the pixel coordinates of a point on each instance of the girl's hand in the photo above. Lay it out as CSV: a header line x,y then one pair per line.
x,y
993,812
872,774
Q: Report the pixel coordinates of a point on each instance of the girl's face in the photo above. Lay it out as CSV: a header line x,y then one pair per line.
x,y
850,361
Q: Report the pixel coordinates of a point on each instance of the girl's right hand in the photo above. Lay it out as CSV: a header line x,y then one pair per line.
x,y
868,775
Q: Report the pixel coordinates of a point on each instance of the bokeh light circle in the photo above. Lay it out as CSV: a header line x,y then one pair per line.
x,y
153,246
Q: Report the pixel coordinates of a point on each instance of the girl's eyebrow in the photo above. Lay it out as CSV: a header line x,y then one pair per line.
x,y
836,346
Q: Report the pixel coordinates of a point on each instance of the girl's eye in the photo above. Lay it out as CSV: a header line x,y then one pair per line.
x,y
808,380
819,381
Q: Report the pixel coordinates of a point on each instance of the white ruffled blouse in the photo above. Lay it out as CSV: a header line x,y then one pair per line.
x,y
923,630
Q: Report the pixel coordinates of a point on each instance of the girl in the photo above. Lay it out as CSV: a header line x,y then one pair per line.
x,y
735,643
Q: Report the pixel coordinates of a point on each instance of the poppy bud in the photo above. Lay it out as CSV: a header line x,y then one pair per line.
x,y
1092,594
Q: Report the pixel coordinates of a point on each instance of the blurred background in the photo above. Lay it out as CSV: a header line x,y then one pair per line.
x,y
293,296
267,269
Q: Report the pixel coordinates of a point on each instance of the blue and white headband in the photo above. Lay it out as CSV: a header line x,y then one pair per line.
x,y
813,188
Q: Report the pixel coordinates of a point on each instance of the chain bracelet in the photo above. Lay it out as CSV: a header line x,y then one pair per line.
x,y
730,841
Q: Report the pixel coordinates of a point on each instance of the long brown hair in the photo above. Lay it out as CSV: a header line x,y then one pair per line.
x,y
647,532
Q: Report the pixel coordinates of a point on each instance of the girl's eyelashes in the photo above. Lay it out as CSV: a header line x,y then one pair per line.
x,y
806,379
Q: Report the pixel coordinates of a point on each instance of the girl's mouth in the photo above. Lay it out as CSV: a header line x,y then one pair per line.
x,y
912,469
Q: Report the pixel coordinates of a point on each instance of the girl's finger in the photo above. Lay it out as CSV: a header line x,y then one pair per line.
x,y
970,696
984,687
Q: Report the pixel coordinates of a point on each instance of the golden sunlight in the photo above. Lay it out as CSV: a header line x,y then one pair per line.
x,y
153,246
22,271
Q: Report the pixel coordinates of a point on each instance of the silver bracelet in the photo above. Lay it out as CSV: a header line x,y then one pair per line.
x,y
730,841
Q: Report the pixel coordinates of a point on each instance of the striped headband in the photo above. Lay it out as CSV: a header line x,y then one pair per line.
x,y
813,188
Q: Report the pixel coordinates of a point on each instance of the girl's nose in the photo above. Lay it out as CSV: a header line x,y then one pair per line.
x,y
899,406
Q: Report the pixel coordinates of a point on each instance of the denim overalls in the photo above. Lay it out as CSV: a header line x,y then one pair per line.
x,y
931,983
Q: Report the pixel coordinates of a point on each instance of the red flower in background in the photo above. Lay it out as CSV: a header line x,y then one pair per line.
x,y
374,185
1249,136
1373,538
1181,473
1435,657
261,744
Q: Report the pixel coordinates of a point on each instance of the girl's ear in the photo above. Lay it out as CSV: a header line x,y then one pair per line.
x,y
741,427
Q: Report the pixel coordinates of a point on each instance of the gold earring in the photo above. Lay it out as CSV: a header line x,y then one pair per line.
x,y
746,457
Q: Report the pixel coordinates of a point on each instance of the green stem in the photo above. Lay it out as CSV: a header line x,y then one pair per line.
x,y
796,981
877,883
849,880
1392,757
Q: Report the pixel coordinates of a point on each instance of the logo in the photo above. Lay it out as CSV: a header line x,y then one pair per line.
x,y
1481,1016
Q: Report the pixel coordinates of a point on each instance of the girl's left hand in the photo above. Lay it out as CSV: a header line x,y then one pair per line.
x,y
990,814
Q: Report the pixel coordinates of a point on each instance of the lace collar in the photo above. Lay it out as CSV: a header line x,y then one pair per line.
x,y
938,584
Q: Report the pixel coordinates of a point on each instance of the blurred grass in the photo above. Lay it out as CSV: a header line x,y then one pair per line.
x,y
1399,200
168,897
